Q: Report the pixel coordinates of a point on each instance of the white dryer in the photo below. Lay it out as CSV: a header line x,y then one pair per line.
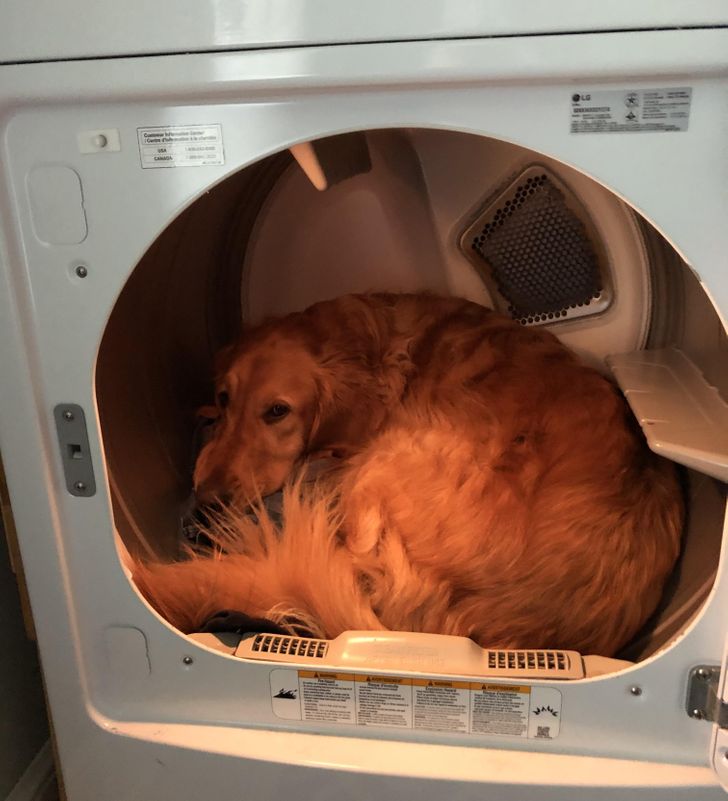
x,y
170,171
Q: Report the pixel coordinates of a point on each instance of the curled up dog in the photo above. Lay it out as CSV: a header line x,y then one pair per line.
x,y
487,485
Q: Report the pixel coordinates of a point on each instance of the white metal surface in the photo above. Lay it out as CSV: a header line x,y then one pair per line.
x,y
719,756
133,719
683,416
51,31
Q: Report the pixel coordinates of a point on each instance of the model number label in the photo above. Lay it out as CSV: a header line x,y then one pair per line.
x,y
181,146
631,110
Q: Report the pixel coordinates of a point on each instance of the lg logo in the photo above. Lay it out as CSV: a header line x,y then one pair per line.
x,y
577,97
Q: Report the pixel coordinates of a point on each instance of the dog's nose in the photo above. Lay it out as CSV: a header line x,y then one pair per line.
x,y
211,492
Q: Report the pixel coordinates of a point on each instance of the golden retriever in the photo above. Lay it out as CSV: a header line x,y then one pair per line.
x,y
491,485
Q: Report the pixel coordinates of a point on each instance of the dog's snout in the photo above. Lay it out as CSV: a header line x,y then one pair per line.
x,y
211,478
209,492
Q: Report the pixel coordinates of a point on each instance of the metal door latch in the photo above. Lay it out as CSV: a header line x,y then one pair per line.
x,y
703,702
75,452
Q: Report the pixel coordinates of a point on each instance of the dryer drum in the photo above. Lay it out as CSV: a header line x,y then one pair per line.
x,y
434,210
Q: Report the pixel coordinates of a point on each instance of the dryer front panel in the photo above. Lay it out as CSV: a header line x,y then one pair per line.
x,y
131,162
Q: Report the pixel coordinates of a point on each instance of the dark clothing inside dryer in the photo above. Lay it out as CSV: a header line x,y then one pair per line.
x,y
240,623
196,519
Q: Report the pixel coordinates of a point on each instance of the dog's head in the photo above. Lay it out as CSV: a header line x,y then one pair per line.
x,y
308,383
266,405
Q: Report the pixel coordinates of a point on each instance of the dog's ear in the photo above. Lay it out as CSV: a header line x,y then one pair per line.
x,y
349,331
348,409
323,413
347,340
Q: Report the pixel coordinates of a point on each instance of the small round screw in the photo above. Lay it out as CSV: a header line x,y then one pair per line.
x,y
698,714
635,690
81,271
187,660
80,486
69,415
704,673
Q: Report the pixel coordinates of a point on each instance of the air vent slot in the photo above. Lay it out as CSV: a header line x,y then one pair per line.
x,y
282,647
517,661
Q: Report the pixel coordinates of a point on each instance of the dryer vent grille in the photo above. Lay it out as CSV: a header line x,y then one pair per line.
x,y
535,245
284,645
552,661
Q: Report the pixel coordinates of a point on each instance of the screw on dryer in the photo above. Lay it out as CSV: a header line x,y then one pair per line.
x,y
81,271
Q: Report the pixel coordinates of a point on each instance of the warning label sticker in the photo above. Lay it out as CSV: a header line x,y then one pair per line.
x,y
424,704
327,696
631,110
181,146
384,701
498,709
441,705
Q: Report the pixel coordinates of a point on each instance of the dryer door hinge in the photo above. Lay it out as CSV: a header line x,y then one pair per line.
x,y
703,701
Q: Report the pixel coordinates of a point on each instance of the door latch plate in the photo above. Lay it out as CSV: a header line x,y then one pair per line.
x,y
75,454
703,702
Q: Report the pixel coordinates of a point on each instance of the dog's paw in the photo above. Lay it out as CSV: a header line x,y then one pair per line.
x,y
364,531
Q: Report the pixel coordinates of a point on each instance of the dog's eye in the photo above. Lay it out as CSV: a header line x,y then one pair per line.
x,y
223,399
276,412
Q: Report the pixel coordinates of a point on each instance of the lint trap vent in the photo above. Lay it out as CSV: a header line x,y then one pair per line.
x,y
282,647
397,651
552,661
538,252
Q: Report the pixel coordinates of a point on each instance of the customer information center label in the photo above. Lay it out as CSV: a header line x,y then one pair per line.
x,y
181,146
631,111
398,702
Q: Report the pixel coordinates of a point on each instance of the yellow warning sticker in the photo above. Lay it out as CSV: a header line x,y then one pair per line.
x,y
327,697
385,679
384,701
499,709
442,705
499,688
320,674
458,685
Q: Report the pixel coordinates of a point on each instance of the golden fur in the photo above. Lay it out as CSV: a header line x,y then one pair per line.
x,y
491,485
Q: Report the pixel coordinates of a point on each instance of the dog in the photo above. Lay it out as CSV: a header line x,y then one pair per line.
x,y
490,485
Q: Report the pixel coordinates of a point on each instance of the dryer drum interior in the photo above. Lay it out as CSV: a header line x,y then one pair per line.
x,y
398,210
